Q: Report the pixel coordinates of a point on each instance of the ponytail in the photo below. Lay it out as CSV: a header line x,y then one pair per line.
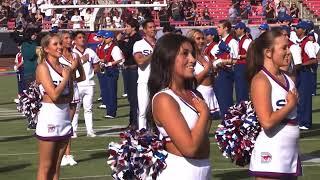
x,y
255,54
41,55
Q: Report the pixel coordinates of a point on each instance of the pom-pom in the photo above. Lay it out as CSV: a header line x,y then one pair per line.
x,y
237,133
30,102
139,155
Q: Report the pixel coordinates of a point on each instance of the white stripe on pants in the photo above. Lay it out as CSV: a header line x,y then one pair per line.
x,y
86,97
143,100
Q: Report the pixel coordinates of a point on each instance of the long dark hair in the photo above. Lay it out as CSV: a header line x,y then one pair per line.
x,y
255,54
162,65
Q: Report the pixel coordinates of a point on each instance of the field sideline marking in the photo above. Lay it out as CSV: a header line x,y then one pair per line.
x,y
94,150
212,170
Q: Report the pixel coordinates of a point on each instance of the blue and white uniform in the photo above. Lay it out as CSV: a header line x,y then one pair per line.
x,y
53,119
179,167
276,151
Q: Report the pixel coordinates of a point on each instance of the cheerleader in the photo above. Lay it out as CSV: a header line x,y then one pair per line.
x,y
181,117
79,75
204,71
54,126
273,93
18,67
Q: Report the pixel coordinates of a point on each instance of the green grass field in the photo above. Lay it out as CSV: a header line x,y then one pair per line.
x,y
18,147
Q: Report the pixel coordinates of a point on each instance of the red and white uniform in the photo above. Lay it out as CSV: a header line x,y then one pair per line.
x,y
86,89
144,47
243,48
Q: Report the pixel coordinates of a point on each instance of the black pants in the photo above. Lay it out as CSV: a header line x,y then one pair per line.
x,y
131,76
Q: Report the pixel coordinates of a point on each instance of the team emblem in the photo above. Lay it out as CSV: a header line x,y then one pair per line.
x,y
266,157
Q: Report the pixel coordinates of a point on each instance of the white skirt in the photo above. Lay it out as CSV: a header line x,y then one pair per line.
x,y
53,122
276,154
209,97
184,168
76,93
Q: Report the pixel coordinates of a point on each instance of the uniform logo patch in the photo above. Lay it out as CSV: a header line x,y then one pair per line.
x,y
51,128
266,157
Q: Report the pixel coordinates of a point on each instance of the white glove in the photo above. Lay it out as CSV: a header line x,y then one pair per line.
x,y
216,63
108,64
15,68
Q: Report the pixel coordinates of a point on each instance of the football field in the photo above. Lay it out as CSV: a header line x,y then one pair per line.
x,y
19,154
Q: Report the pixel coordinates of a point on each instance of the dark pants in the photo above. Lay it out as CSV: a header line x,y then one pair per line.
x,y
304,86
124,77
314,79
109,90
224,90
20,80
132,78
100,77
241,82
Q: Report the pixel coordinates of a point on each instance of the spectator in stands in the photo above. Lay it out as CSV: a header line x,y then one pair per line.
x,y
76,20
163,17
206,14
39,17
259,9
32,7
294,10
64,19
232,14
175,10
87,18
245,10
281,10
55,20
190,16
3,18
47,12
17,7
117,19
20,21
270,13
30,18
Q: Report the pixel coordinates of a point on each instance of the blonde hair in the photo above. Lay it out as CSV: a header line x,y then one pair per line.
x,y
190,34
42,55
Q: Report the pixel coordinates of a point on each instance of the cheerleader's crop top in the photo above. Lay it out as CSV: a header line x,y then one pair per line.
x,y
189,113
56,79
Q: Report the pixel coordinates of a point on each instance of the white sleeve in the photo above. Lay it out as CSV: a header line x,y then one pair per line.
x,y
293,37
310,50
117,54
296,54
136,48
316,47
94,59
234,46
246,44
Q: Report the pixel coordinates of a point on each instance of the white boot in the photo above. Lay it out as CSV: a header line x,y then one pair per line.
x,y
64,161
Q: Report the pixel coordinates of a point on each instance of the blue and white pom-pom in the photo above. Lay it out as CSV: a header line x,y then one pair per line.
x,y
30,102
237,133
139,155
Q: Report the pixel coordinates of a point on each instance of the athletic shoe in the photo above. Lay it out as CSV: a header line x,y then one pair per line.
x,y
124,95
99,99
71,160
102,106
74,135
109,117
91,134
16,101
65,160
303,128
